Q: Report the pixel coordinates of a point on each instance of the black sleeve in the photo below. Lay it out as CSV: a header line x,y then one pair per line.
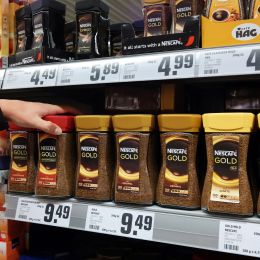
x,y
3,122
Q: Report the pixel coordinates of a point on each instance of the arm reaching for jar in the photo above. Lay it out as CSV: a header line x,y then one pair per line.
x,y
30,114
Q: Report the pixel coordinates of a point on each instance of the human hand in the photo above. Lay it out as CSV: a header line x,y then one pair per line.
x,y
30,114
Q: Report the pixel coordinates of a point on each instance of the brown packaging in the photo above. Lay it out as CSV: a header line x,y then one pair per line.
x,y
136,166
95,158
178,184
227,186
182,10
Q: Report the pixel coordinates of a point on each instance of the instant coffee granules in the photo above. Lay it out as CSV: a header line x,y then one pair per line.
x,y
23,159
227,187
92,29
56,166
24,31
95,158
178,184
136,165
225,11
48,24
157,17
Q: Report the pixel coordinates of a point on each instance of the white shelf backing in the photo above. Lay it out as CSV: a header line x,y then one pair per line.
x,y
179,227
186,64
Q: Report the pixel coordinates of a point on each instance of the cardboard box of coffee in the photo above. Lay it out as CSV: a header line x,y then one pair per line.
x,y
216,34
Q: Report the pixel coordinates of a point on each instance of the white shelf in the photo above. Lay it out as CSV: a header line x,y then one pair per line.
x,y
187,64
179,227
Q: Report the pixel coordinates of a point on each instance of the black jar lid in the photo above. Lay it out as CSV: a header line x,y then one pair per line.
x,y
24,12
45,5
92,5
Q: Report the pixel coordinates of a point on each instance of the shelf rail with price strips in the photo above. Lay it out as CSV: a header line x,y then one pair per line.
x,y
186,228
188,64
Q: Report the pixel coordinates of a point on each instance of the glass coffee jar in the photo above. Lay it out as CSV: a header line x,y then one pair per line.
x,y
178,184
136,165
23,159
227,186
56,166
95,158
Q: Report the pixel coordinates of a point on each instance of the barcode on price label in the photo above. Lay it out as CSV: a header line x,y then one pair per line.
x,y
94,227
212,71
231,247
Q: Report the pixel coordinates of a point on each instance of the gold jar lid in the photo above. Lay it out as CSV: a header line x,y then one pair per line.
x,y
180,123
228,122
133,123
155,2
93,123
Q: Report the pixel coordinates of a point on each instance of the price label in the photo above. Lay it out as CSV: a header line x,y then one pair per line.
x,y
230,61
89,72
239,238
159,67
29,77
120,222
35,211
2,74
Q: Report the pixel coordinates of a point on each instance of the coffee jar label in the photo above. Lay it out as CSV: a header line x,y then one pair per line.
x,y
19,153
21,36
225,177
47,172
155,21
225,11
38,33
176,178
84,41
128,176
184,10
89,157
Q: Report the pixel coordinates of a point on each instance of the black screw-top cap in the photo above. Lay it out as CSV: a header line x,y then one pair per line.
x,y
24,12
128,31
44,5
92,5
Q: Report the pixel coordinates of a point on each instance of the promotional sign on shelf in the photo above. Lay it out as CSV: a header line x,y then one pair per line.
x,y
31,77
89,72
120,222
230,61
48,213
239,238
159,67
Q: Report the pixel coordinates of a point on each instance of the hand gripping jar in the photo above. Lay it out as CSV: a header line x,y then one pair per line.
x,y
95,158
57,158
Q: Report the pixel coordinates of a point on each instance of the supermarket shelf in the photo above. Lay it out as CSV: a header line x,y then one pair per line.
x,y
179,227
187,64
